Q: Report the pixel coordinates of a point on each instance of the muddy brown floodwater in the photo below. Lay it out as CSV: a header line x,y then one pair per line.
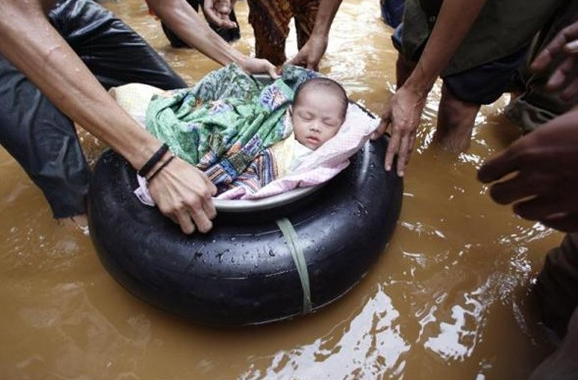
x,y
449,299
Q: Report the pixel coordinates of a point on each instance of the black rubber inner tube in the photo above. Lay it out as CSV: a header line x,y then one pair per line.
x,y
243,272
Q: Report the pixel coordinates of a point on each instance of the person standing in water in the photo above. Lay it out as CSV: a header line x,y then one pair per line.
x,y
56,59
538,174
475,46
270,21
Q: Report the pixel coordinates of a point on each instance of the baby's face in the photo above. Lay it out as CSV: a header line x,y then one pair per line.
x,y
316,117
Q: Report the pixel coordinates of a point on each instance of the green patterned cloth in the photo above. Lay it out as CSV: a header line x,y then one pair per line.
x,y
222,123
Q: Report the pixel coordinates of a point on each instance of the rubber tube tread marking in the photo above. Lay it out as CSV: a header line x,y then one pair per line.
x,y
291,237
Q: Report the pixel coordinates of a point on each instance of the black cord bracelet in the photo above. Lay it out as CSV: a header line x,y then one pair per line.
x,y
155,158
164,164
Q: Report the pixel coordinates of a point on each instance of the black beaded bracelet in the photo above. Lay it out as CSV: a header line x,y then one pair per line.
x,y
164,165
155,158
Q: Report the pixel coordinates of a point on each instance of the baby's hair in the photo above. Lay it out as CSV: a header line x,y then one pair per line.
x,y
326,83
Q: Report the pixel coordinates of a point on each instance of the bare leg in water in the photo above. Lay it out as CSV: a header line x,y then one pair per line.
x,y
455,122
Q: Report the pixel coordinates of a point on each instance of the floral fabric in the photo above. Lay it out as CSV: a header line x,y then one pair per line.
x,y
225,121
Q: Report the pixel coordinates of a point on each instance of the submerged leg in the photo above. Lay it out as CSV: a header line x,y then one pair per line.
x,y
455,122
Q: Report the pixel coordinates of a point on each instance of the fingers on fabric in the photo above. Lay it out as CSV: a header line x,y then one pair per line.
x,y
279,69
542,61
296,61
273,71
567,37
546,56
259,66
571,47
312,66
561,75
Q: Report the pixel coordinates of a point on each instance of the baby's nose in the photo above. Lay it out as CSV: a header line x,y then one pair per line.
x,y
314,126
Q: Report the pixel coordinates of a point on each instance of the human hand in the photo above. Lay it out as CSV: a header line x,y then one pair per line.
x,y
311,53
259,66
184,194
544,164
402,114
564,45
217,12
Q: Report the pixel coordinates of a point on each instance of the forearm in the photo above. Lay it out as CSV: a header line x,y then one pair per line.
x,y
454,21
325,15
56,70
182,19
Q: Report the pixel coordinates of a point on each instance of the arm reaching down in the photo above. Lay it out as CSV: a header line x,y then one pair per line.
x,y
403,113
182,192
312,52
186,23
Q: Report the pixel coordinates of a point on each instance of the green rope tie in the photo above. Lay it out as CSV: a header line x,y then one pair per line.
x,y
290,236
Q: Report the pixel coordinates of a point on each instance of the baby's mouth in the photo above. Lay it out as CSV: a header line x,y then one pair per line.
x,y
313,140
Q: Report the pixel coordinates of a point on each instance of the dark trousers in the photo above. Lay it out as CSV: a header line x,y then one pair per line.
x,y
557,285
40,137
557,290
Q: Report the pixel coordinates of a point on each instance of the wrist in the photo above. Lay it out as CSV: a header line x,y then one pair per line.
x,y
418,86
163,163
234,56
153,161
320,32
242,61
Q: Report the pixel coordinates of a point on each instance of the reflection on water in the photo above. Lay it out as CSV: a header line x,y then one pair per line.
x,y
369,346
450,299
